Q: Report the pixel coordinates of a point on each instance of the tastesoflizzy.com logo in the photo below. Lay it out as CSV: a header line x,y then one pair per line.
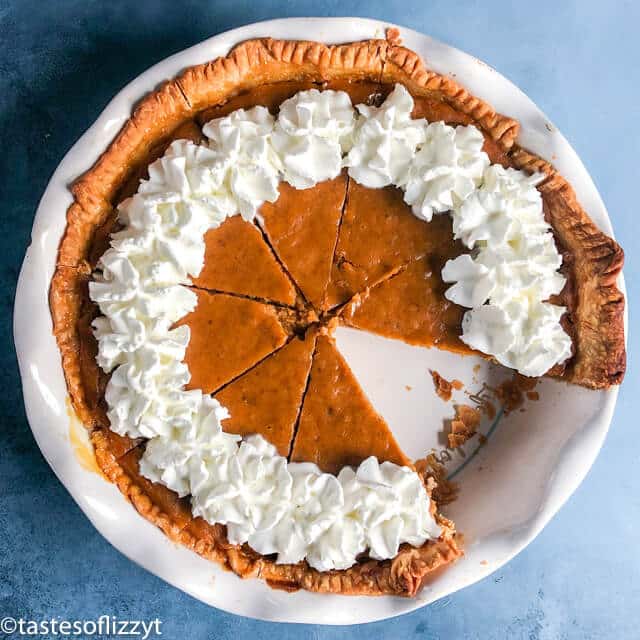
x,y
105,625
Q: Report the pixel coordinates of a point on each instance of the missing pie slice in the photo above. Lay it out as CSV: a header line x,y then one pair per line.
x,y
358,255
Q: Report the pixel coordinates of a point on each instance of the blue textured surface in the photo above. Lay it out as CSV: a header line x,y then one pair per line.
x,y
61,62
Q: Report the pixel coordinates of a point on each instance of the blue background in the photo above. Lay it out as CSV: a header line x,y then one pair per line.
x,y
61,62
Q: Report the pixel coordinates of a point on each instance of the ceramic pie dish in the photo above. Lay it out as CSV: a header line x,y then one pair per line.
x,y
499,130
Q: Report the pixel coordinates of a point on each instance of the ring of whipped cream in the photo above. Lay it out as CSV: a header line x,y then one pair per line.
x,y
293,509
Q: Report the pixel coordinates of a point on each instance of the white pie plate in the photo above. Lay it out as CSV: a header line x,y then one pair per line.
x,y
510,488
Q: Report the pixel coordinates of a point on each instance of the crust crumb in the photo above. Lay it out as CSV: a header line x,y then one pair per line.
x,y
489,408
392,35
444,387
352,305
511,393
309,316
464,425
444,491
329,328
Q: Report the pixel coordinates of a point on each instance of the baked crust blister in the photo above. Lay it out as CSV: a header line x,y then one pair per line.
x,y
597,305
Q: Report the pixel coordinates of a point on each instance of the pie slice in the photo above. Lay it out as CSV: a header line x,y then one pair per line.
x,y
411,306
302,227
267,399
378,235
228,336
237,260
338,425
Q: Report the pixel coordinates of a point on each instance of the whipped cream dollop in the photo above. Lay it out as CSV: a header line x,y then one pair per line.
x,y
447,167
180,458
385,141
245,168
141,287
313,131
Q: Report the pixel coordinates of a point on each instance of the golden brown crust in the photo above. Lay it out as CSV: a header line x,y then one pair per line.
x,y
78,244
130,487
255,62
65,301
599,357
404,575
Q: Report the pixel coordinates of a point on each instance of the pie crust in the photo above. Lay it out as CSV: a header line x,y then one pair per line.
x,y
277,69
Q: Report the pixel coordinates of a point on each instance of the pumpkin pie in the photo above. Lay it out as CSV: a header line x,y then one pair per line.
x,y
353,253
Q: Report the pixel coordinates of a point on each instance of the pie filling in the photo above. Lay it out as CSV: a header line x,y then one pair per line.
x,y
167,345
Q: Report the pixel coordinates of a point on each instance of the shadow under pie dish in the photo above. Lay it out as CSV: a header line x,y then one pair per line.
x,y
353,251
